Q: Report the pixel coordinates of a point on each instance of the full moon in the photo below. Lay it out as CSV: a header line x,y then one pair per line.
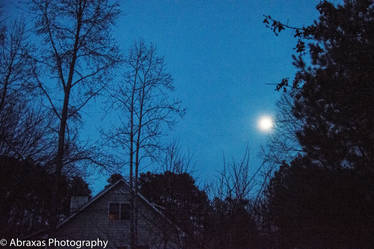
x,y
265,123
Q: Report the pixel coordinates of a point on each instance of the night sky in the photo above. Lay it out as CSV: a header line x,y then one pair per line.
x,y
223,61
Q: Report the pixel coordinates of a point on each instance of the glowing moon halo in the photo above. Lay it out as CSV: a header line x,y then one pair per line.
x,y
265,123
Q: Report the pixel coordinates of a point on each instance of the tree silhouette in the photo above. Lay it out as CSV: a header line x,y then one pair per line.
x,y
25,201
312,207
23,132
333,94
143,99
231,225
325,197
77,53
181,200
113,179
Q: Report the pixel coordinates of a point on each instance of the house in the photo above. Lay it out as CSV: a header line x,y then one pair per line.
x,y
106,217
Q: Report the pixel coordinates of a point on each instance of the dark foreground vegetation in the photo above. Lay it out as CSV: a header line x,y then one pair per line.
x,y
317,184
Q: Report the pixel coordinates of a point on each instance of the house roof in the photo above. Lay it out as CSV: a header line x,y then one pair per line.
x,y
106,190
97,197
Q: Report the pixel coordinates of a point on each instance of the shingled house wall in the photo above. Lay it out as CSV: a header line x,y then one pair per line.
x,y
92,222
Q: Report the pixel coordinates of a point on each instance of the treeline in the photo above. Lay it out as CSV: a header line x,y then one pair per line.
x,y
222,221
26,194
320,192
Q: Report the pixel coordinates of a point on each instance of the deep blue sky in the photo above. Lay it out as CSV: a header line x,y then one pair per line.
x,y
221,57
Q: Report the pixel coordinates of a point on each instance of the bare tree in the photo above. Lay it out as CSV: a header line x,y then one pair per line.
x,y
236,181
176,160
76,57
233,219
282,145
15,65
22,131
143,96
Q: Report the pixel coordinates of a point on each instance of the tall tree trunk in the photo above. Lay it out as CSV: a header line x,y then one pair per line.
x,y
64,118
133,236
131,185
59,162
137,159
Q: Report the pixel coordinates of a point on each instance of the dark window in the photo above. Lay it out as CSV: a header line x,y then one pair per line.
x,y
125,211
114,211
119,211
